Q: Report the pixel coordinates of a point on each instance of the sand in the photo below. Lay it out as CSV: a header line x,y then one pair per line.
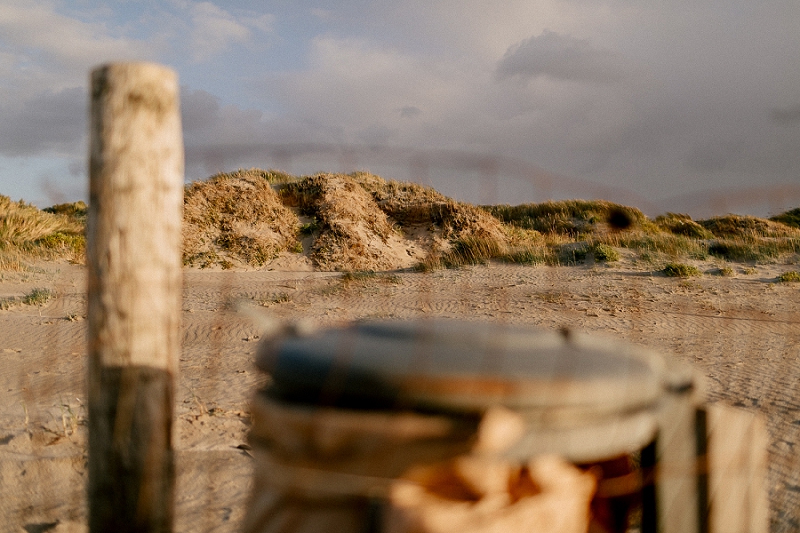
x,y
741,332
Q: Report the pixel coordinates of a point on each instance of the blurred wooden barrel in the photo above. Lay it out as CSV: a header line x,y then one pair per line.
x,y
350,411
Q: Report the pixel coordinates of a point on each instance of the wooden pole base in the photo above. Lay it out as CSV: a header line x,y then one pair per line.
x,y
132,465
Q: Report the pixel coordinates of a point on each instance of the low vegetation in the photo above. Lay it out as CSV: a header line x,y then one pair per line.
x,y
37,297
790,218
28,234
680,270
792,276
360,222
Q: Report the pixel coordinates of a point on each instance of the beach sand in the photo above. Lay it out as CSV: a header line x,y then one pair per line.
x,y
741,332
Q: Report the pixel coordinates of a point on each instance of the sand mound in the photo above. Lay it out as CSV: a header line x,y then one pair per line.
x,y
732,226
235,219
411,203
352,233
363,222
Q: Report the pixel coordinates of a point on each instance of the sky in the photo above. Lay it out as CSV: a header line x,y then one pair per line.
x,y
681,105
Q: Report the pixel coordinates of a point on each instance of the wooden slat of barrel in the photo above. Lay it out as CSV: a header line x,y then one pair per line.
x,y
737,442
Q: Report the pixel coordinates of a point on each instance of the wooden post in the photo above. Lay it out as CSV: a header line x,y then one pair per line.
x,y
134,263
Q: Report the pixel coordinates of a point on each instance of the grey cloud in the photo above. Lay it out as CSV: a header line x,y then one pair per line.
x,y
786,116
410,111
49,122
714,157
560,57
199,109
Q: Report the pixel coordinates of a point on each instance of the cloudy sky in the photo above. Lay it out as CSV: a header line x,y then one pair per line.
x,y
686,105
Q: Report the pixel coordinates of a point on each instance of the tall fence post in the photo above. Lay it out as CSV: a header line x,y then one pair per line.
x,y
135,284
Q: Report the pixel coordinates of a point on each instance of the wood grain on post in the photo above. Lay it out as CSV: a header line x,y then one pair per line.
x,y
135,283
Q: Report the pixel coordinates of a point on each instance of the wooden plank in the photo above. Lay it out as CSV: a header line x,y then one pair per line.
x,y
737,453
678,491
134,264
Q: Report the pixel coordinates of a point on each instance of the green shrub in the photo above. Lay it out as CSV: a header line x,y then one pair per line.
x,y
59,240
309,227
605,253
789,277
680,270
38,297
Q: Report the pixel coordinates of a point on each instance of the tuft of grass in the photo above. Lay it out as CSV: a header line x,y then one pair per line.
x,y
792,276
66,244
551,297
38,296
680,270
278,298
725,271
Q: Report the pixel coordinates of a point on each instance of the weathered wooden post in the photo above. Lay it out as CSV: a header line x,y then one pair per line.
x,y
134,263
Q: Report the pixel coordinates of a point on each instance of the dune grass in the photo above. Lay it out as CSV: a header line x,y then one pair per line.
x,y
790,218
248,217
569,217
28,233
680,270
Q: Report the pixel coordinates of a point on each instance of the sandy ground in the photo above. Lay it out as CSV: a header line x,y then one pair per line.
x,y
741,332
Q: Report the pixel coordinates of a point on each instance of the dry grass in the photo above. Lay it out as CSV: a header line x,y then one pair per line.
x,y
790,218
680,270
28,234
679,224
236,218
351,228
570,217
747,227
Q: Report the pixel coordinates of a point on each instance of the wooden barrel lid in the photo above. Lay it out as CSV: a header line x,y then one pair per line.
x,y
460,366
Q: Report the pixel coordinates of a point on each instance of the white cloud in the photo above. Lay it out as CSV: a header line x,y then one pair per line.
x,y
56,50
214,29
